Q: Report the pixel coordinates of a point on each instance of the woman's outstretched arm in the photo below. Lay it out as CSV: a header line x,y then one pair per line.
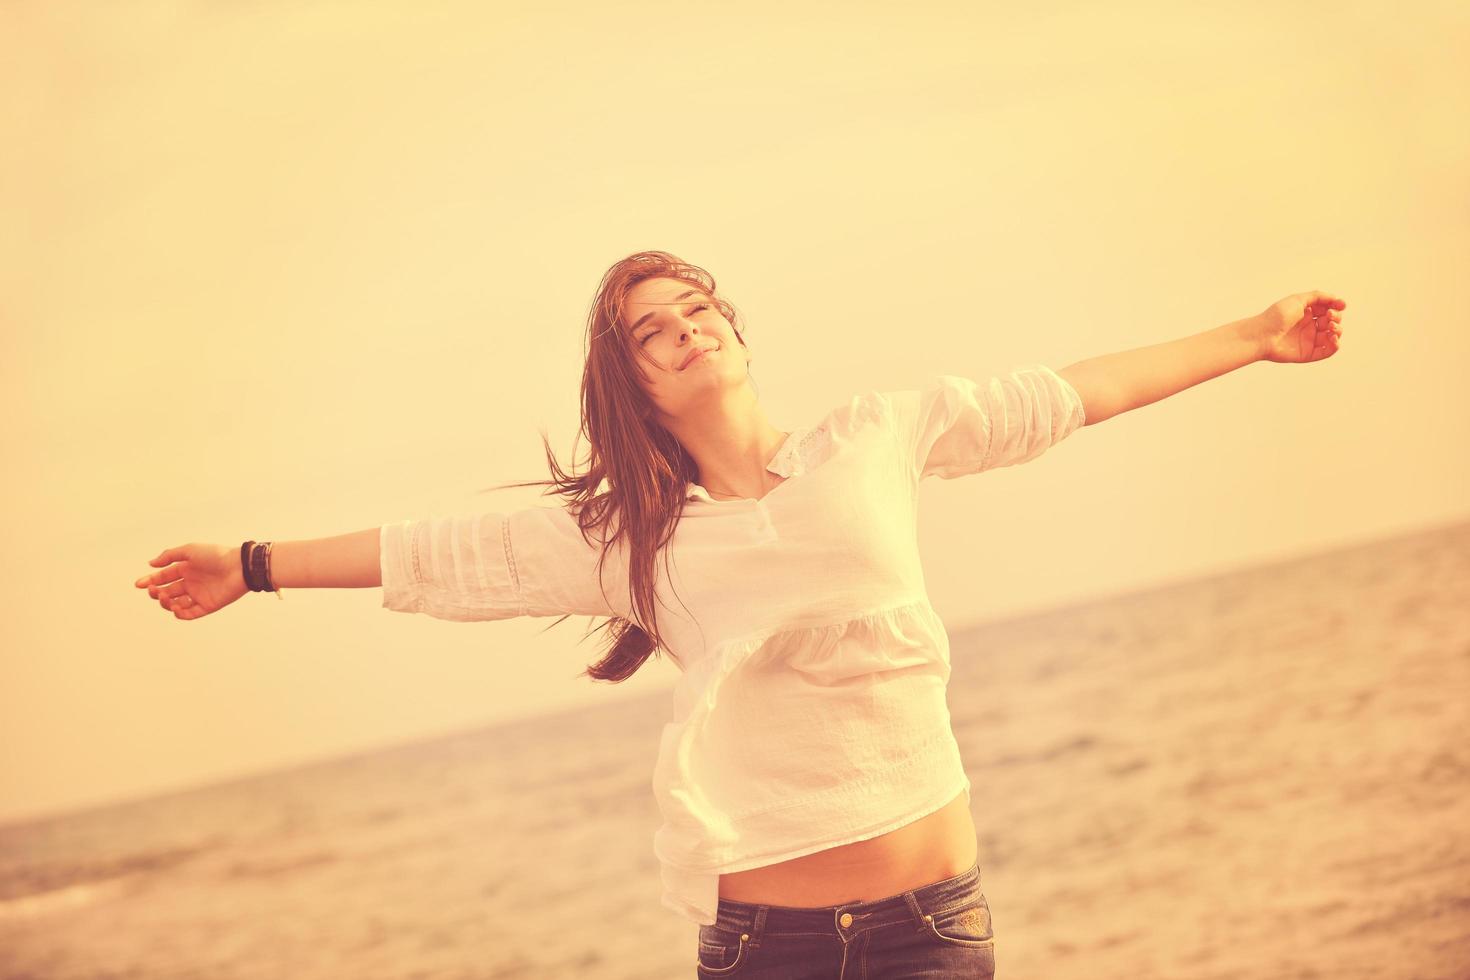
x,y
534,561
1297,329
194,580
347,561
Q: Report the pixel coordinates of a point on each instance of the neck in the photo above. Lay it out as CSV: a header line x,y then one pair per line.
x,y
732,444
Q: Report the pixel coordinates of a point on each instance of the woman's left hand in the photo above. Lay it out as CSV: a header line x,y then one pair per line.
x,y
1302,327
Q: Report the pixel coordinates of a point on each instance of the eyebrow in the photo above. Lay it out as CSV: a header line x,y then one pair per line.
x,y
684,295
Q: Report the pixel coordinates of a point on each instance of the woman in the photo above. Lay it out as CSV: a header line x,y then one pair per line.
x,y
816,813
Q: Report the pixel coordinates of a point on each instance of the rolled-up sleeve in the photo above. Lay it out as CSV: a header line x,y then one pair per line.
x,y
496,565
954,426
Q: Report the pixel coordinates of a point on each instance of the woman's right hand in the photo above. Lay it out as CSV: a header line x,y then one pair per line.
x,y
194,580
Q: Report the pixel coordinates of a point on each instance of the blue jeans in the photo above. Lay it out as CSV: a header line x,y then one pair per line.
x,y
939,931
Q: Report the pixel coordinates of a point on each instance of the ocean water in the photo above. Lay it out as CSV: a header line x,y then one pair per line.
x,y
1263,774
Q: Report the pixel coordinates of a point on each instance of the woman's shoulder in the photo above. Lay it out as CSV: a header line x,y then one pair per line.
x,y
862,408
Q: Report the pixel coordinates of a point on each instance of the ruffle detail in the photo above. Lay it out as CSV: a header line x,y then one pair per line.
x,y
805,445
795,457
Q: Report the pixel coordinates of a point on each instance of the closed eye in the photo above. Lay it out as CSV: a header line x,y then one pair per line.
x,y
702,306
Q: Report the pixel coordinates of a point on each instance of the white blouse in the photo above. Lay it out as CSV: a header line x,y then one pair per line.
x,y
810,711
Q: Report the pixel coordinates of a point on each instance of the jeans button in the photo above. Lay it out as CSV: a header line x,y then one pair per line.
x,y
846,919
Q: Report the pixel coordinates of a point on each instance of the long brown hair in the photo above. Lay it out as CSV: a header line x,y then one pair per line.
x,y
645,467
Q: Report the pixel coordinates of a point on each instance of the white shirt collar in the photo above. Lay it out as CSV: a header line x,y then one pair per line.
x,y
787,462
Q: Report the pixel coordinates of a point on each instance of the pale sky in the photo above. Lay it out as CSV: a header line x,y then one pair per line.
x,y
282,271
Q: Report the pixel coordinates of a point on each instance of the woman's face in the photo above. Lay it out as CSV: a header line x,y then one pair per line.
x,y
671,319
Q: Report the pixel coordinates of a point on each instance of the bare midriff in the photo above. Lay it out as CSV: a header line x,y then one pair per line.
x,y
932,848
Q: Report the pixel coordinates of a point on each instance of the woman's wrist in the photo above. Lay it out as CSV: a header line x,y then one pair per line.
x,y
237,571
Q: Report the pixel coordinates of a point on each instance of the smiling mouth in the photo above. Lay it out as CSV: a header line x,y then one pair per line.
x,y
703,353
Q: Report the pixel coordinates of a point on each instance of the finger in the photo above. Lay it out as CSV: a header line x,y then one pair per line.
x,y
171,590
168,555
159,579
1321,300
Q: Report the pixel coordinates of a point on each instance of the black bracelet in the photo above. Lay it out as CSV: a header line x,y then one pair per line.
x,y
245,565
257,566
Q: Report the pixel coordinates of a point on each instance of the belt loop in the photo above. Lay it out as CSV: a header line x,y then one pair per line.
x,y
917,909
759,928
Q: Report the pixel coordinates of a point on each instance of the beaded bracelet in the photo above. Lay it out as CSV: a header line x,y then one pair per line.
x,y
268,546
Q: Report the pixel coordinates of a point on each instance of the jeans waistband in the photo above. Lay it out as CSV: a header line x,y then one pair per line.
x,y
908,906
